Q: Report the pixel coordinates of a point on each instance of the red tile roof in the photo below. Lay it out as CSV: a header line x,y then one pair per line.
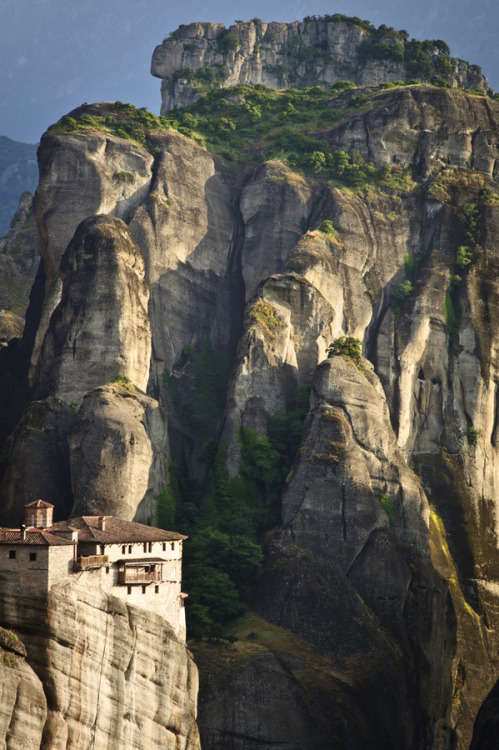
x,y
116,531
33,536
139,562
38,504
89,529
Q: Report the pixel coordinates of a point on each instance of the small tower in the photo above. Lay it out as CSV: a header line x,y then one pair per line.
x,y
38,514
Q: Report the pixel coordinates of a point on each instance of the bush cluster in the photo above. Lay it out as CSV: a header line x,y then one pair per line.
x,y
348,347
405,288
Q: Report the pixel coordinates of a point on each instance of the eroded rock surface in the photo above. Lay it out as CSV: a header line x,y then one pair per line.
x,y
84,645
23,709
91,341
118,449
19,260
282,55
398,597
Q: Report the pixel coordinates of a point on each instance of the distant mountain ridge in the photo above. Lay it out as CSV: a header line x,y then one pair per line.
x,y
317,51
18,174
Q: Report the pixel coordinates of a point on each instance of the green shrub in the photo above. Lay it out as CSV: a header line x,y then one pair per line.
x,y
409,267
224,514
453,317
349,348
387,505
227,42
266,315
125,382
399,296
68,123
343,86
472,435
127,177
326,227
463,257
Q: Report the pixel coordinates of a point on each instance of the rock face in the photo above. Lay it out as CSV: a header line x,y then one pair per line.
x,y
99,332
381,583
252,705
24,706
118,449
109,334
315,52
84,645
353,503
19,259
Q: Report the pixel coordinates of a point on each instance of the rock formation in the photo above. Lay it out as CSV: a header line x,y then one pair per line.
x,y
113,674
317,51
118,449
376,618
98,333
18,260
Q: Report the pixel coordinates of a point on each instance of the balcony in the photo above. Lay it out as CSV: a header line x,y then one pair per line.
x,y
148,570
90,561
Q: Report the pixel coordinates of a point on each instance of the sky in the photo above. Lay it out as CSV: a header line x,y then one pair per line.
x,y
57,54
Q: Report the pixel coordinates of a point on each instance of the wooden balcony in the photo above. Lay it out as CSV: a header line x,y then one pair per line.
x,y
140,571
90,561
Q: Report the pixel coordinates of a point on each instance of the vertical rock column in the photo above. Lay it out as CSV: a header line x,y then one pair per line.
x,y
99,333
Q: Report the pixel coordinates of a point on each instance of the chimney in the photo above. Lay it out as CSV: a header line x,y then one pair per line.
x,y
102,523
23,532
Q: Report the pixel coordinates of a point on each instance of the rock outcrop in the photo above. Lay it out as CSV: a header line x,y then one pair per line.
x,y
98,333
24,707
380,583
118,450
199,56
113,675
91,341
353,503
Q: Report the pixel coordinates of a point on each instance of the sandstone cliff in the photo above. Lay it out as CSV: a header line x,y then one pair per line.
x,y
61,447
113,676
317,51
378,602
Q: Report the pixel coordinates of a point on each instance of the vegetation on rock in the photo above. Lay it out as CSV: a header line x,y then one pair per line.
x,y
266,315
225,516
350,348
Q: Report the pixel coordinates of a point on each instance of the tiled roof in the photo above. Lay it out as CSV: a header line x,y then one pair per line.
x,y
116,531
38,504
33,536
138,562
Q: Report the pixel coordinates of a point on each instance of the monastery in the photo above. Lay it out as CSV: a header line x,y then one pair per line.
x,y
140,564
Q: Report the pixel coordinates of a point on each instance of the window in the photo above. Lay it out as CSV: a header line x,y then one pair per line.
x,y
12,554
173,545
107,570
123,549
129,589
129,549
32,556
150,546
164,546
156,589
145,546
143,589
102,549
